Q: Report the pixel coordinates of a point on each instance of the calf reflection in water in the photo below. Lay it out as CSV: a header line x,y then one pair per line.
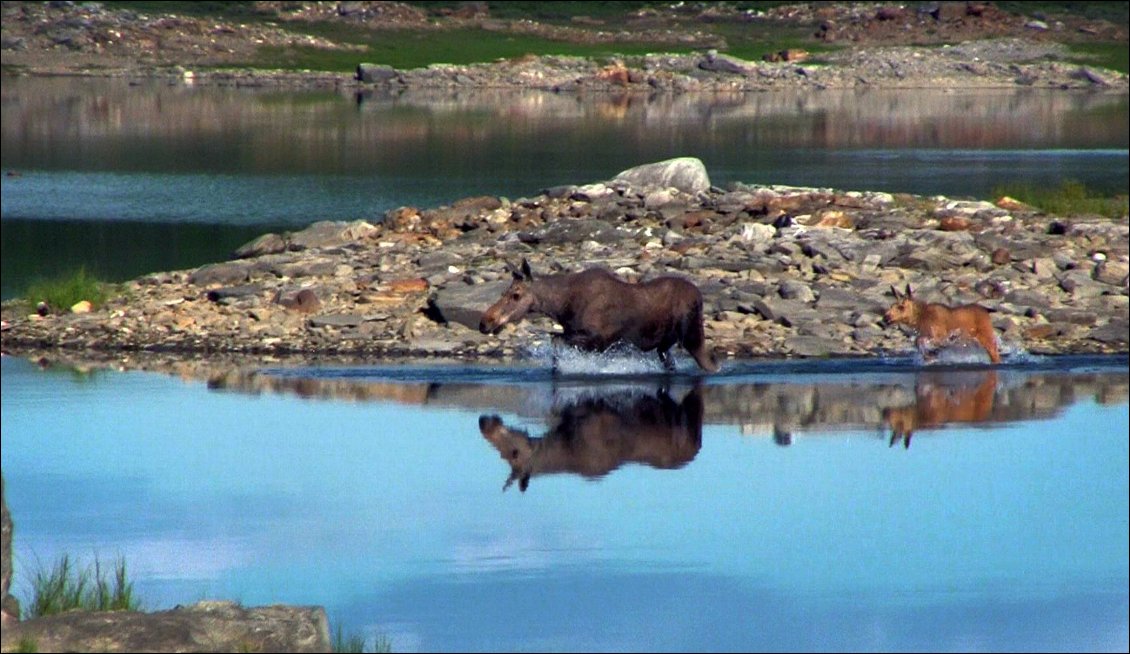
x,y
942,399
596,435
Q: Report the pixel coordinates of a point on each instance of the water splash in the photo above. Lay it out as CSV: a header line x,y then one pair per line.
x,y
963,353
618,360
1018,354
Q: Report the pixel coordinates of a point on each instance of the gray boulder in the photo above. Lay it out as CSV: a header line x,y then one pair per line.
x,y
687,174
329,233
220,273
377,73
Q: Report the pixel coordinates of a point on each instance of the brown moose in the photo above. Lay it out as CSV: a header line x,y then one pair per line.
x,y
597,310
937,405
595,436
938,325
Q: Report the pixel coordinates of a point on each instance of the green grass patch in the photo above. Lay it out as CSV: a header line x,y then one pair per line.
x,y
67,586
1115,56
1068,199
61,293
357,644
234,10
751,44
408,49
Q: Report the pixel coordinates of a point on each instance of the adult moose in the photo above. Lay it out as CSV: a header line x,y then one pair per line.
x,y
938,325
596,309
594,436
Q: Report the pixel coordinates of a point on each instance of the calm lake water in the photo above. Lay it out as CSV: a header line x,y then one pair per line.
x,y
128,180
774,507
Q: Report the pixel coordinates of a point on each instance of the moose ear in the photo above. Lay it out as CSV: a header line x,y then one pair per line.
x,y
526,272
895,292
909,291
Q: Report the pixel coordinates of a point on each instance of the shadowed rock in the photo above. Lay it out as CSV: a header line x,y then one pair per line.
x,y
464,304
10,608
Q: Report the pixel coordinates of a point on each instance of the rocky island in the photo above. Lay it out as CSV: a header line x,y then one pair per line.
x,y
795,272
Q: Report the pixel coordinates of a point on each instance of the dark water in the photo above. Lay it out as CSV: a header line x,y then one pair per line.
x,y
854,505
105,169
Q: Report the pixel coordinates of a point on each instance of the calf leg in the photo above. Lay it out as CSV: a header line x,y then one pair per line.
x,y
990,345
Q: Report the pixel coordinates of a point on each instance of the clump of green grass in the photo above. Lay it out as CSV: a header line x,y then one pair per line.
x,y
60,293
1069,198
27,645
356,643
1115,56
67,586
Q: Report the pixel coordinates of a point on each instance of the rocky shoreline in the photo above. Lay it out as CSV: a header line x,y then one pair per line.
x,y
786,272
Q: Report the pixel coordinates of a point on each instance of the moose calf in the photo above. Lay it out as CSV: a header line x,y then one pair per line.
x,y
938,325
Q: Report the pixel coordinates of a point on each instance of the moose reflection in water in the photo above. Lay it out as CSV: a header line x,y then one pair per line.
x,y
597,434
966,397
597,310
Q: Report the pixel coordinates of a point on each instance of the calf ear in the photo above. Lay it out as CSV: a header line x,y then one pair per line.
x,y
895,292
513,270
526,272
909,291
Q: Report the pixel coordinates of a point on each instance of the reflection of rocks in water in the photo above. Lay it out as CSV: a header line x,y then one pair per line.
x,y
597,434
785,410
781,410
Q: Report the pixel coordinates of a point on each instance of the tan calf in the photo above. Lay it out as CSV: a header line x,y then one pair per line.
x,y
938,325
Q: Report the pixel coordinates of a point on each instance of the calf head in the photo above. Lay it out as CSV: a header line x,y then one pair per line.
x,y
515,303
904,310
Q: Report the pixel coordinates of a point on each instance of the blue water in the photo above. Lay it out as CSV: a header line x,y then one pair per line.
x,y
1009,535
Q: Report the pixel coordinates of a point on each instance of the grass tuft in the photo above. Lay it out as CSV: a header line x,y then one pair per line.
x,y
1068,199
60,293
66,587
356,643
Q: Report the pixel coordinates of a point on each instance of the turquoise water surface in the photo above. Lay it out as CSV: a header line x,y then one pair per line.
x,y
387,507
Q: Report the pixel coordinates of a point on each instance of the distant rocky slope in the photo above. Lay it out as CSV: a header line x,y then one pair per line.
x,y
884,47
